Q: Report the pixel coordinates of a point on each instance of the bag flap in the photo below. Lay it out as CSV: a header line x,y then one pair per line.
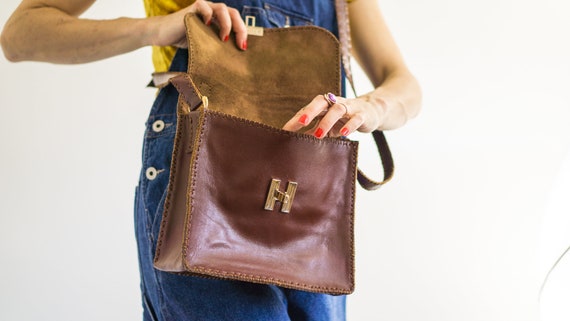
x,y
277,75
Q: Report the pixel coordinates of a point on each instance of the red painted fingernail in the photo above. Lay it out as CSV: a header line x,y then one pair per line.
x,y
319,133
244,45
344,131
303,119
209,22
226,38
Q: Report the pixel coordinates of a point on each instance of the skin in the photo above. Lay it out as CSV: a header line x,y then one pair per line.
x,y
51,31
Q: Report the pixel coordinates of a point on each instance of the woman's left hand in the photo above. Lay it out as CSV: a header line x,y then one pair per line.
x,y
336,116
395,99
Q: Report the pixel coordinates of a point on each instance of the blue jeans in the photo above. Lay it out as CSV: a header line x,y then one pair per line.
x,y
173,297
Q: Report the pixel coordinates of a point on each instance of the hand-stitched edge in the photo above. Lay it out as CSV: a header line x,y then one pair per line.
x,y
300,136
282,132
170,187
201,124
264,280
205,115
352,217
290,286
309,29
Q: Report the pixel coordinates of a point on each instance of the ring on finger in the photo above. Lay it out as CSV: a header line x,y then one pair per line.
x,y
345,109
330,98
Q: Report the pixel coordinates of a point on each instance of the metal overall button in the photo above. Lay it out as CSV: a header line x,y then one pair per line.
x,y
151,173
158,126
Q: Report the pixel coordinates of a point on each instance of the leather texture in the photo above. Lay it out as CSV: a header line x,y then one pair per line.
x,y
280,72
226,154
215,223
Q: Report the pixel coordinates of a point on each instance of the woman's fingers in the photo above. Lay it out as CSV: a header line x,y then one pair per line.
x,y
228,19
169,30
337,117
239,29
204,9
317,107
223,19
335,113
354,123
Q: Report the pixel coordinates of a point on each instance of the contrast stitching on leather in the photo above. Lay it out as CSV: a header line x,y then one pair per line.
x,y
167,201
263,279
202,123
352,216
190,46
282,132
205,115
204,118
308,29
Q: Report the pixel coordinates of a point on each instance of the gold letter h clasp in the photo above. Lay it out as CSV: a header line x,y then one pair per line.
x,y
275,194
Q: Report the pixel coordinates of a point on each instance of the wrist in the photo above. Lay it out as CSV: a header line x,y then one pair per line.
x,y
148,31
377,106
389,112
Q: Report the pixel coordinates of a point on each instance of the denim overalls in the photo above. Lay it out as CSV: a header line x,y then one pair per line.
x,y
173,297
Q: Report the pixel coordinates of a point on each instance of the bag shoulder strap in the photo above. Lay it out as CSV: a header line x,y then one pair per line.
x,y
345,40
387,164
379,138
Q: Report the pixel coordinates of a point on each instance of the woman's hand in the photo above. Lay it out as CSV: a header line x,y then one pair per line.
x,y
337,116
51,31
396,99
169,30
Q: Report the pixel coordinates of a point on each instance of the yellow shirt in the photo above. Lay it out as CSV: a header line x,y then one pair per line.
x,y
162,56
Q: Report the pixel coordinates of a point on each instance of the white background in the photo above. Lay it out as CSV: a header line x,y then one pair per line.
x,y
457,235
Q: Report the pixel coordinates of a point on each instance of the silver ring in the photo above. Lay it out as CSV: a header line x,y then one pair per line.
x,y
345,109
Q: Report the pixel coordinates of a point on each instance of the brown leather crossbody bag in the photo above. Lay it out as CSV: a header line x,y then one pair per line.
x,y
247,200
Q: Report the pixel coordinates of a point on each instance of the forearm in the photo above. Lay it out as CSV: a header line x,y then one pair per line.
x,y
397,96
395,101
50,35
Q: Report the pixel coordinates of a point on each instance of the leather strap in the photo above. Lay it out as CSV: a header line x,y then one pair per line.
x,y
187,90
379,138
345,39
193,98
161,79
387,164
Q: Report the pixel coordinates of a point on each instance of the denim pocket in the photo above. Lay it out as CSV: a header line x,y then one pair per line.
x,y
285,18
156,219
271,15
